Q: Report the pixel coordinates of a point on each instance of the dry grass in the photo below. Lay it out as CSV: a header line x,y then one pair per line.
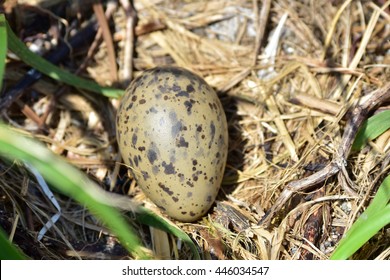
x,y
286,116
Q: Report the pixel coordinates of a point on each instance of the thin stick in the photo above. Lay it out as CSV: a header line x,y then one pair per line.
x,y
263,19
98,9
131,17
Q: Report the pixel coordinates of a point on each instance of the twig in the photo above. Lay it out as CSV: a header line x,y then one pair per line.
x,y
339,163
131,17
110,9
315,103
263,19
102,20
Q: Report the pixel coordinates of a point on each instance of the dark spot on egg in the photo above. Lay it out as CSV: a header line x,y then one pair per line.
x,y
152,156
172,116
165,189
142,101
155,169
181,142
134,139
212,133
182,93
168,168
145,174
176,88
129,107
189,183
136,160
190,88
188,105
176,128
212,129
162,88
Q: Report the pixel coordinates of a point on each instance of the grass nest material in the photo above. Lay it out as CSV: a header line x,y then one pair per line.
x,y
288,74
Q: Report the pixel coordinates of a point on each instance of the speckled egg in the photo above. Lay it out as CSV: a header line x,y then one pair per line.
x,y
172,133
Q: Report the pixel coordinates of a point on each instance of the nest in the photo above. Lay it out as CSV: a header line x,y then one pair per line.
x,y
288,74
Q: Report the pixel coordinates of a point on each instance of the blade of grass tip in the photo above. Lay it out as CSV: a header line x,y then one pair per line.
x,y
3,47
367,229
147,217
380,202
53,71
8,250
372,128
381,199
72,182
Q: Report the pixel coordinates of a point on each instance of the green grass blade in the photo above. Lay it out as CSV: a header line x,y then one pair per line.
x,y
367,229
8,250
376,216
72,182
381,198
53,71
372,128
379,202
146,217
3,47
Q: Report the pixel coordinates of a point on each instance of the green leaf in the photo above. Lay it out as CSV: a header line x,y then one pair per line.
x,y
376,216
72,182
53,71
372,128
367,229
8,250
3,47
381,198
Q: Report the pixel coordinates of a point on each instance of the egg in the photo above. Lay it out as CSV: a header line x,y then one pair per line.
x,y
172,133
